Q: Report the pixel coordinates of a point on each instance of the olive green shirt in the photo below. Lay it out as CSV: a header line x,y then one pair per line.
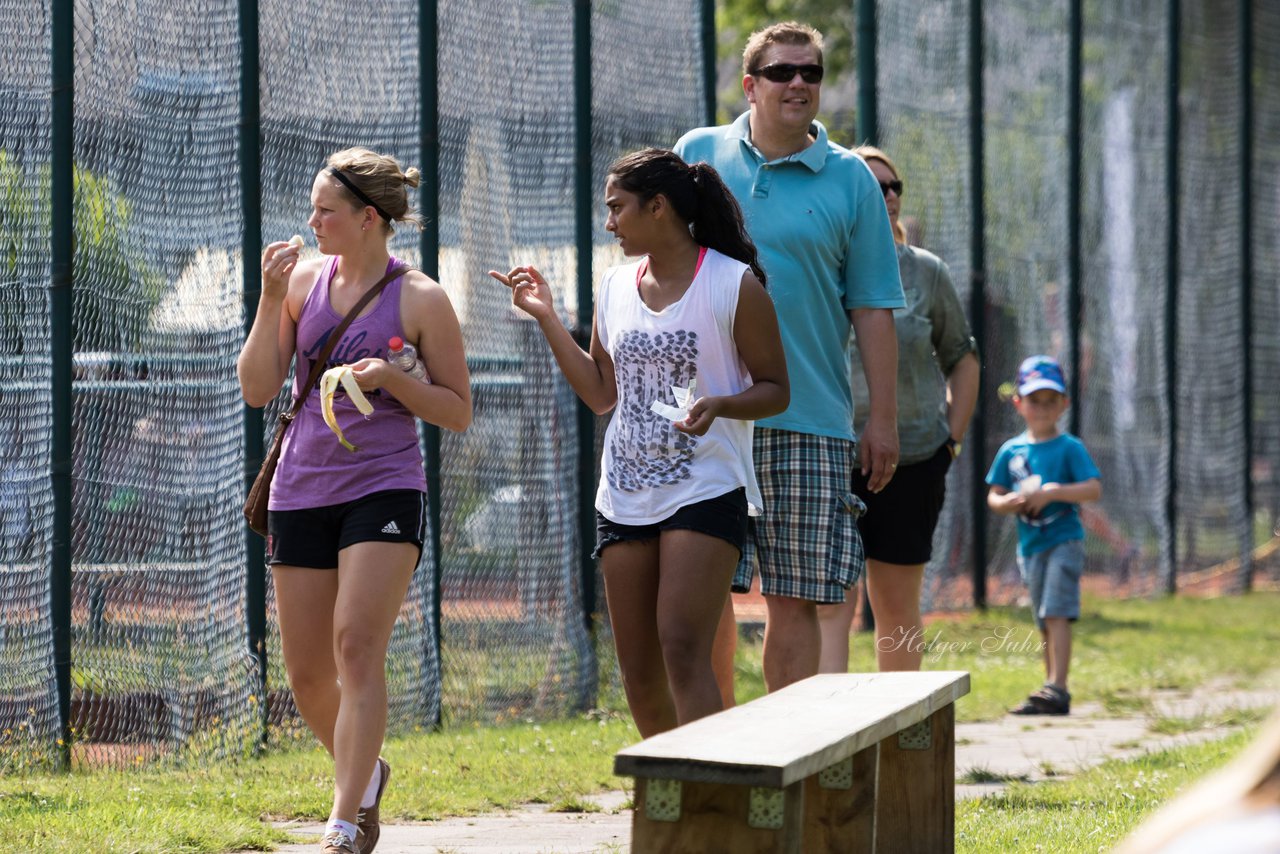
x,y
933,335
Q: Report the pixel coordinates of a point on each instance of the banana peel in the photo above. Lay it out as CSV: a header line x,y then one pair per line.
x,y
328,385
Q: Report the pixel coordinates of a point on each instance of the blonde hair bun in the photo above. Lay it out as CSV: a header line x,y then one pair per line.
x,y
412,176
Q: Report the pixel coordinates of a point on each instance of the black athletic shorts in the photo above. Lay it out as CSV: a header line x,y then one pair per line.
x,y
723,517
900,519
313,537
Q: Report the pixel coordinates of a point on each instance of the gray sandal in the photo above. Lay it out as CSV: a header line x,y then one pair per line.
x,y
1049,700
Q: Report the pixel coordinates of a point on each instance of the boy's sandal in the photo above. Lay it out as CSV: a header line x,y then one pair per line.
x,y
1049,700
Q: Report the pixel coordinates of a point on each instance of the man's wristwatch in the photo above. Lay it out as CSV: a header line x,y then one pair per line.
x,y
954,447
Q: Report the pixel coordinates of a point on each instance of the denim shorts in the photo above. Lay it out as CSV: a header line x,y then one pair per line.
x,y
723,517
1053,577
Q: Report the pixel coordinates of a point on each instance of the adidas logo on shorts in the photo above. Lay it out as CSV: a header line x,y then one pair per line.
x,y
391,527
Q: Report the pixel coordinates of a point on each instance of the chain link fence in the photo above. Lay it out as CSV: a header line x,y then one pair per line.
x,y
160,663
161,667
1140,290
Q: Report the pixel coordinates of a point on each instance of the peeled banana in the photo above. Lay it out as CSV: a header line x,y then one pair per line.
x,y
296,240
328,385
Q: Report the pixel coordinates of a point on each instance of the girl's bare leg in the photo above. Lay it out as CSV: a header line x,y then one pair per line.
x,y
373,578
630,571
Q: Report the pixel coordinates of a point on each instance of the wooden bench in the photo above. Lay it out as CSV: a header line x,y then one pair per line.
x,y
855,762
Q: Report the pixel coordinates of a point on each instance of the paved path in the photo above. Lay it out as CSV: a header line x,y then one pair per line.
x,y
1033,749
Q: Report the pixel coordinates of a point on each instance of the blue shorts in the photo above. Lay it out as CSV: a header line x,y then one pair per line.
x,y
1053,577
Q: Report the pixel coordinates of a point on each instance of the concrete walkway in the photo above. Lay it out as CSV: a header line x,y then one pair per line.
x,y
1032,749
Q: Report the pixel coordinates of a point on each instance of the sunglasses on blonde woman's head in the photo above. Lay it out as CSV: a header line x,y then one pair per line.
x,y
895,185
785,72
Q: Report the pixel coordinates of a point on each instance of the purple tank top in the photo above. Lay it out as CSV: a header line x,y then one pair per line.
x,y
316,471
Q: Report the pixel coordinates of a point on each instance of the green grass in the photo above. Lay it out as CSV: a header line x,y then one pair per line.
x,y
1124,652
222,807
1171,725
1092,811
985,775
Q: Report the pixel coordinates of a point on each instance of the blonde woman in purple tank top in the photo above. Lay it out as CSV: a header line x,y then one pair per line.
x,y
346,528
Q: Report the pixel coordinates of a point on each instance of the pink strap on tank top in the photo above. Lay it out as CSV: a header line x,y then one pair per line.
x,y
644,266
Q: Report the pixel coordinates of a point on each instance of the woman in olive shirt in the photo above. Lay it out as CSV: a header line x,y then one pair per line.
x,y
937,389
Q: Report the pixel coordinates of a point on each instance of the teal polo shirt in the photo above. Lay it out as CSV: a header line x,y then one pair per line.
x,y
819,223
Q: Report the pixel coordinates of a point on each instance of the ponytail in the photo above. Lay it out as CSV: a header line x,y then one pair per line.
x,y
698,196
717,221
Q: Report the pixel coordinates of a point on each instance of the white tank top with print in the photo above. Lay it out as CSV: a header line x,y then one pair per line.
x,y
650,469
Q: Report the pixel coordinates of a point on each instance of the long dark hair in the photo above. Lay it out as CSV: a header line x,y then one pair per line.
x,y
698,195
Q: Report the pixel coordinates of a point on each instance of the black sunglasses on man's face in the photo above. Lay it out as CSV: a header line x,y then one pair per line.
x,y
785,72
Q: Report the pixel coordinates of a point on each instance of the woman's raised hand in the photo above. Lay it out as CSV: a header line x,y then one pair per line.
x,y
278,261
529,291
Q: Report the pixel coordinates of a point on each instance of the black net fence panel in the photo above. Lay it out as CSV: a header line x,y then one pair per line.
x,y
1212,525
28,699
1124,388
161,667
1025,75
662,37
1266,278
312,105
513,628
924,127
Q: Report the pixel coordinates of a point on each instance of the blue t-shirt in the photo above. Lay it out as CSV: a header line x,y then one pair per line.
x,y
1062,459
819,222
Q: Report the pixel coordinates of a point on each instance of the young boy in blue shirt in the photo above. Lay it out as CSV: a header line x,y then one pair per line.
x,y
1041,475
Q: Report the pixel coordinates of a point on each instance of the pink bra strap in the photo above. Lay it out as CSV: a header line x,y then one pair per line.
x,y
644,265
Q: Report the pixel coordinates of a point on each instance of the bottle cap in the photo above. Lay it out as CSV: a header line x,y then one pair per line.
x,y
396,343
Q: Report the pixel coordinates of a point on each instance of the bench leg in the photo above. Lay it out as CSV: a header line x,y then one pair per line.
x,y
713,817
840,806
916,795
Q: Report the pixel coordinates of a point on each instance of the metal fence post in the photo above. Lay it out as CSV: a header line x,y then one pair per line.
x,y
1174,35
1075,155
1246,280
62,281
429,244
978,301
582,195
710,78
868,75
255,587
868,133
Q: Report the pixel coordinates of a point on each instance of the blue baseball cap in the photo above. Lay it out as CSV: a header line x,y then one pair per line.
x,y
1038,372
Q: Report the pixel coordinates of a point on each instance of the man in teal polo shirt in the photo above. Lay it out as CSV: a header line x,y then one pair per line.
x,y
818,219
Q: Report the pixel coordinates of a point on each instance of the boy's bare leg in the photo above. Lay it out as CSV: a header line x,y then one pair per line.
x,y
1057,631
1046,652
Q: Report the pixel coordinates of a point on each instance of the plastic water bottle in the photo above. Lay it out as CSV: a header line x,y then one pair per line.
x,y
405,357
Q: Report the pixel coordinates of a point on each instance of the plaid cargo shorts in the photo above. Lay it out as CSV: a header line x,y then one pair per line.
x,y
806,545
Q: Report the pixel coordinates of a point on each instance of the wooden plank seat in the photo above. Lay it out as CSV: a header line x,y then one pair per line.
x,y
851,762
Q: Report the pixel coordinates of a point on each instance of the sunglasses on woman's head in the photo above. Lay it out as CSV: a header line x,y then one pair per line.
x,y
895,185
785,72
